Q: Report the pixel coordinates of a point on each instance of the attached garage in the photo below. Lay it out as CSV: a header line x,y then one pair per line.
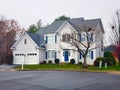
x,y
27,49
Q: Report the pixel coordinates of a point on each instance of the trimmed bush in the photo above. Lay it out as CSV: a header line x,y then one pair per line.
x,y
72,61
80,63
56,61
9,59
49,62
104,60
43,62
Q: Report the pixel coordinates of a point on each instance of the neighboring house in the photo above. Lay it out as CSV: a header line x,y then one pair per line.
x,y
50,43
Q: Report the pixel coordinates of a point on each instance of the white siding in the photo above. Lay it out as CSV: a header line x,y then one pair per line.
x,y
28,49
60,46
41,55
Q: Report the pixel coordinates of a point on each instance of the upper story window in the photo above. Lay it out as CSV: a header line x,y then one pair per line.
x,y
82,37
66,37
25,41
51,39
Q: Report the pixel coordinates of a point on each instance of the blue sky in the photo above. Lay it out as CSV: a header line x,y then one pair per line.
x,y
28,12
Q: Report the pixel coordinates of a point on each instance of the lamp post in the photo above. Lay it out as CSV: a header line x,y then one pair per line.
x,y
23,62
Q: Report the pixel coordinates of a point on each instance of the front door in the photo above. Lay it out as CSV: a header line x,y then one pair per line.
x,y
66,55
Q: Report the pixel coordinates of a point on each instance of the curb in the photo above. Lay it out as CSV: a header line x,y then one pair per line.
x,y
6,69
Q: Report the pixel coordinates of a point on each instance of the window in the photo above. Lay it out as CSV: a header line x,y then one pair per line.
x,y
51,54
74,38
90,55
32,54
25,41
19,54
50,39
66,38
82,37
90,36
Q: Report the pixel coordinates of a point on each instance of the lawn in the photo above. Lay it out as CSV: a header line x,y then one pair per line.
x,y
70,67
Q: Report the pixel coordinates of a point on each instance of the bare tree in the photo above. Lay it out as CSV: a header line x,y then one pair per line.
x,y
85,39
114,36
9,29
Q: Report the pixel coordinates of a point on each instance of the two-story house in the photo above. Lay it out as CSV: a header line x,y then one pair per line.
x,y
51,42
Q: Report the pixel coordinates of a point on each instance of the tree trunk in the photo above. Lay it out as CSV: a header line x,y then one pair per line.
x,y
84,63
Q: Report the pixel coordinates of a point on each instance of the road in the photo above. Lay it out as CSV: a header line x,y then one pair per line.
x,y
58,80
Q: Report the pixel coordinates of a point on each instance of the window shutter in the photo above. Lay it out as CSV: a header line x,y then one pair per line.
x,y
46,39
55,39
69,53
91,54
80,37
80,55
91,36
55,55
46,55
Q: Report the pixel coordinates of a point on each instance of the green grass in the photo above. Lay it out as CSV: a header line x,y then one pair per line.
x,y
68,67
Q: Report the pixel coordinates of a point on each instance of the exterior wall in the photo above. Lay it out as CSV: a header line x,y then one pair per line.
x,y
41,55
60,46
97,52
27,53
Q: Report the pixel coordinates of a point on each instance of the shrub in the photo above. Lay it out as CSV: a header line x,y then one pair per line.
x,y
57,61
9,59
43,62
110,56
80,63
72,61
49,62
104,60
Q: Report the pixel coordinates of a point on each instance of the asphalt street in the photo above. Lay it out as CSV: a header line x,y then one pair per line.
x,y
58,80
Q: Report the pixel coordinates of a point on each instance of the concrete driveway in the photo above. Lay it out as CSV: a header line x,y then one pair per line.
x,y
58,80
4,66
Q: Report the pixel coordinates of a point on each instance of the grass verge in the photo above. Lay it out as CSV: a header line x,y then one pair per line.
x,y
69,67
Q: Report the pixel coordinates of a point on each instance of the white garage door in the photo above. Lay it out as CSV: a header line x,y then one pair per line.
x,y
18,58
31,58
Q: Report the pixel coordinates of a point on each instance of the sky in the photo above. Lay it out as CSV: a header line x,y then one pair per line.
x,y
28,12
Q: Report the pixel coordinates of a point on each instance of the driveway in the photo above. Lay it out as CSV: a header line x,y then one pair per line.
x,y
4,66
58,80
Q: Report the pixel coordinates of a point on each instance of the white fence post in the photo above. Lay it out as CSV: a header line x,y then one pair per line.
x,y
105,65
100,64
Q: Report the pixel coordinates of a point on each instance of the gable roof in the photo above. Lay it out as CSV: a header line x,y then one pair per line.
x,y
89,23
75,23
35,38
55,26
